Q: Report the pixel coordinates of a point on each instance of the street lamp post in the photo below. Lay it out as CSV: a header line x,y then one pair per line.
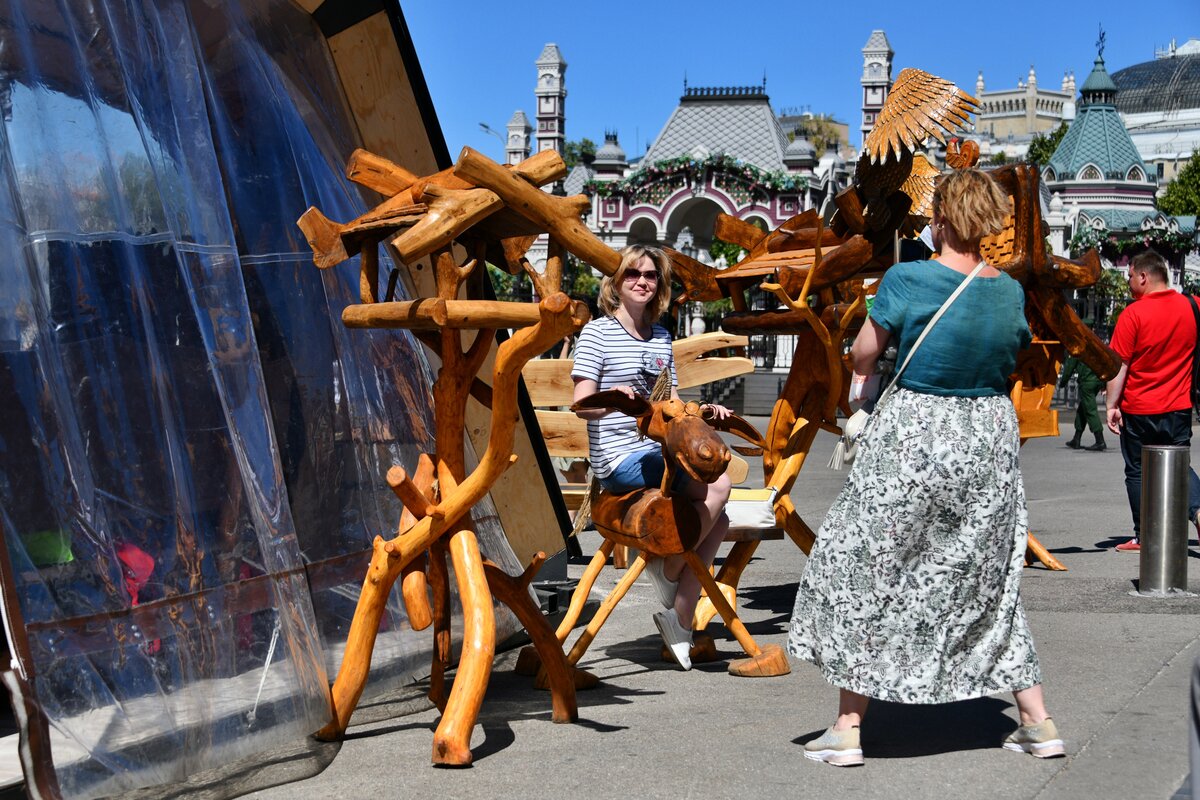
x,y
483,126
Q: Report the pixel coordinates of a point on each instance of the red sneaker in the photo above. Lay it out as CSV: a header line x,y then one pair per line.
x,y
1132,546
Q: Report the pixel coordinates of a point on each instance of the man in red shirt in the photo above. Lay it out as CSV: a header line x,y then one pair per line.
x,y
1149,400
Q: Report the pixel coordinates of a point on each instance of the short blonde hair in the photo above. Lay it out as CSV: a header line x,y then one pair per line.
x,y
971,203
610,301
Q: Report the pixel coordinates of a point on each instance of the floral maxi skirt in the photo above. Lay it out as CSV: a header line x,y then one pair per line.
x,y
911,592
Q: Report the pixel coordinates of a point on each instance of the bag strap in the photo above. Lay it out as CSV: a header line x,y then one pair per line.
x,y
1196,348
933,321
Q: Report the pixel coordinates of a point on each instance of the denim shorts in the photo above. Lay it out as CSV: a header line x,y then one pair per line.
x,y
639,470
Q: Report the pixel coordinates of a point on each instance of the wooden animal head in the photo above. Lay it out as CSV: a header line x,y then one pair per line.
x,y
688,436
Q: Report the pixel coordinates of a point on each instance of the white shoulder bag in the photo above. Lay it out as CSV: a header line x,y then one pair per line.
x,y
847,446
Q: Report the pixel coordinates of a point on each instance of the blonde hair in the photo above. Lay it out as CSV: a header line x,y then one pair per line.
x,y
971,203
610,301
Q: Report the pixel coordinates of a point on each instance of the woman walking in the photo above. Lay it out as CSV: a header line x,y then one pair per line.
x,y
911,592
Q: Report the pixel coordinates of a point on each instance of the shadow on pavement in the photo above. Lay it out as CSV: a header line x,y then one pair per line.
x,y
893,730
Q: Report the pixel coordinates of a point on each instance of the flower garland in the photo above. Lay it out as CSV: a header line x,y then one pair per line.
x,y
1113,244
673,169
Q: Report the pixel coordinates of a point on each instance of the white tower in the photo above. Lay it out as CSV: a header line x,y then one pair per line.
x,y
519,129
551,99
876,78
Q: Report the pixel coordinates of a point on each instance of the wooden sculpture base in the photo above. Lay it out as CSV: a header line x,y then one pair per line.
x,y
769,663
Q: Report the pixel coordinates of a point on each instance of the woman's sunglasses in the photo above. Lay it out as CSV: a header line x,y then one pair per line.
x,y
632,275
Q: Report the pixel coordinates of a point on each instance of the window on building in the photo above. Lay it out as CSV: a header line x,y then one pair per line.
x,y
1090,173
1135,174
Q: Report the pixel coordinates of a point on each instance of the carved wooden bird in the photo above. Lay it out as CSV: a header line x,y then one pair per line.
x,y
962,155
920,105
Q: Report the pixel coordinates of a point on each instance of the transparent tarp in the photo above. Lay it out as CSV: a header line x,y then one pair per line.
x,y
192,447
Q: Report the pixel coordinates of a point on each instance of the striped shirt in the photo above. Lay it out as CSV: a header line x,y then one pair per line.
x,y
611,356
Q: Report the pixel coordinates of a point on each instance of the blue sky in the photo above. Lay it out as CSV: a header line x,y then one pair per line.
x,y
627,60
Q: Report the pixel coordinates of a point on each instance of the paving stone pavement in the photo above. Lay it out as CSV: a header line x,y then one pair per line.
x,y
1116,673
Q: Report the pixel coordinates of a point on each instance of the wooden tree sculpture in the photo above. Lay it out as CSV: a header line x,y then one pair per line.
x,y
428,216
818,273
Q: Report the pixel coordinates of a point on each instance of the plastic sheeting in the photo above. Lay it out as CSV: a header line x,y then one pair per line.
x,y
192,447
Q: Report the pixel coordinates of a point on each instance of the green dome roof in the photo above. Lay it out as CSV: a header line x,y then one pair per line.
x,y
1097,138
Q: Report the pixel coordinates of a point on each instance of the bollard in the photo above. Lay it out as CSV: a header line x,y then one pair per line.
x,y
1163,568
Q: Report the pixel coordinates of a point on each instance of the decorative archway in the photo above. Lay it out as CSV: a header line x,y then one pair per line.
x,y
697,216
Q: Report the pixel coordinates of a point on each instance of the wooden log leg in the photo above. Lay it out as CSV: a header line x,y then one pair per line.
x,y
1035,550
452,739
728,578
606,608
529,662
796,528
360,643
620,557
583,589
439,582
763,662
562,685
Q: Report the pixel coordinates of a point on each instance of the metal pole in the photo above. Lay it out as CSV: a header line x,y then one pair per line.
x,y
1164,556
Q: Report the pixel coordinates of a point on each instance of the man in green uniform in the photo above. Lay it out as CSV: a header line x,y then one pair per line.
x,y
1086,413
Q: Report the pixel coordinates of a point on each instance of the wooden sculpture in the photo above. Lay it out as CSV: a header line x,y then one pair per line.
x,y
658,523
430,216
818,274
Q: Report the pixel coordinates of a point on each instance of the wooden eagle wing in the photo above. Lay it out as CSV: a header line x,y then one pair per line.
x,y
919,105
919,185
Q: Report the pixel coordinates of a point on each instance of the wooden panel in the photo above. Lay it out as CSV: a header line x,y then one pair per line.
x,y
753,534
566,434
693,347
380,94
707,370
548,381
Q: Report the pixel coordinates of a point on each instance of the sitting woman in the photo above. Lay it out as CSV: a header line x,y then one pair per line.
x,y
626,350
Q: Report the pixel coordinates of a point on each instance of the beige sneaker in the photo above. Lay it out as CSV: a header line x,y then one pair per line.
x,y
839,748
1040,740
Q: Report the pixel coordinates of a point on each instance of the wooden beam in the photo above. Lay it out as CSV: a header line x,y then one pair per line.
x,y
557,215
431,314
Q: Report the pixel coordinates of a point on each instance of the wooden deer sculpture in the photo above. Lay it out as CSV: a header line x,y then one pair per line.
x,y
658,522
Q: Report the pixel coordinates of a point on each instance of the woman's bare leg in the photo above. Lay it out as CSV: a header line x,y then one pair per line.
x,y
709,500
1031,704
851,708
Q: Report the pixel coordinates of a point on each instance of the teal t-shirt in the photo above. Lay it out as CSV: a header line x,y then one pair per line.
x,y
973,348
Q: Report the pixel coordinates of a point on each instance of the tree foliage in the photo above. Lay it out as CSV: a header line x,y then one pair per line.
x,y
821,131
1182,195
1044,145
573,150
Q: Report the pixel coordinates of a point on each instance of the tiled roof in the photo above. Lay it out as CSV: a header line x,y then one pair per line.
x,y
1126,219
1097,136
550,55
576,178
743,127
1099,80
878,41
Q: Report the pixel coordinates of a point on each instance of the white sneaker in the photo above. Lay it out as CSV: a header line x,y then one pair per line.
x,y
666,588
677,638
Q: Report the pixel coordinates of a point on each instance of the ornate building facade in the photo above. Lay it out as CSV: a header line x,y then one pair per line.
x,y
722,149
1102,191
